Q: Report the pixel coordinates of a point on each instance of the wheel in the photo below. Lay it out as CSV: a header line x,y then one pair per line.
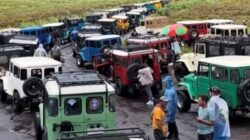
x,y
184,102
3,94
16,103
79,61
180,71
133,71
120,88
33,87
194,34
37,127
244,91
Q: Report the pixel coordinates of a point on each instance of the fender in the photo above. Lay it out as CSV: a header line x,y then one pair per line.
x,y
187,59
7,83
189,88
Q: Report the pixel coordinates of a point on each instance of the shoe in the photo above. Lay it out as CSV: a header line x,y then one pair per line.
x,y
150,102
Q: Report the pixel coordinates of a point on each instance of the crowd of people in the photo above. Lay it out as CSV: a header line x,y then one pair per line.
x,y
55,52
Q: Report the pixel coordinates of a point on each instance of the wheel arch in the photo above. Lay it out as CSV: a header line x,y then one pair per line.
x,y
187,88
186,63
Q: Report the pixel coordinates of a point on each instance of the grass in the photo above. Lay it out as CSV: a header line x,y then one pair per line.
x,y
20,13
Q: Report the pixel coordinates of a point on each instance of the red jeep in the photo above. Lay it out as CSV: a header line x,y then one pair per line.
x,y
160,43
122,67
195,29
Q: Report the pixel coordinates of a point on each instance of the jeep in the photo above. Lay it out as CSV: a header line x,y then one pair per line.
x,y
41,33
121,66
87,31
127,7
160,43
229,73
212,22
114,11
57,31
122,23
95,45
22,81
196,29
5,37
93,18
229,30
209,47
109,25
134,19
75,102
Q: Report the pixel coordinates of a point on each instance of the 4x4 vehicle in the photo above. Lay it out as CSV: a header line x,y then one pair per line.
x,y
229,30
41,33
22,81
196,28
95,45
209,47
5,37
75,102
134,19
225,72
122,23
123,65
212,22
114,11
87,31
160,43
93,18
127,7
109,25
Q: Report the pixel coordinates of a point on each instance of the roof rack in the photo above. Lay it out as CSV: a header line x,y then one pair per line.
x,y
86,77
227,40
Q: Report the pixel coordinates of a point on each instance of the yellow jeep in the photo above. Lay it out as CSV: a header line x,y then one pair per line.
x,y
122,23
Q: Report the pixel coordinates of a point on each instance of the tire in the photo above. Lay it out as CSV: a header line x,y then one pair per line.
x,y
37,127
33,87
180,71
244,91
184,102
79,61
16,103
194,34
120,88
133,71
3,94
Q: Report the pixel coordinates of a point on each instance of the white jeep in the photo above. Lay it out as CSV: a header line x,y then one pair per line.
x,y
22,82
228,30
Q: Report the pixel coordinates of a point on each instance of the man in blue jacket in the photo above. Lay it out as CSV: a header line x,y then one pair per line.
x,y
171,95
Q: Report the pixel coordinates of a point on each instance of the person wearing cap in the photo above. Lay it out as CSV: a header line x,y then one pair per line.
x,y
171,95
221,113
40,51
158,119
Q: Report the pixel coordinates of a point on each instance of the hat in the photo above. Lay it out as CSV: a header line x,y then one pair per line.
x,y
163,98
215,89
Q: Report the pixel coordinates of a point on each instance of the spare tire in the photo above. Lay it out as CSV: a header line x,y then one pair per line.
x,y
194,34
33,87
244,92
133,71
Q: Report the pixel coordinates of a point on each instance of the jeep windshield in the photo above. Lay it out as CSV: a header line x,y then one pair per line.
x,y
114,134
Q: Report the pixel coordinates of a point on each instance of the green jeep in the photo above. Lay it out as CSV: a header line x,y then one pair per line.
x,y
75,102
230,73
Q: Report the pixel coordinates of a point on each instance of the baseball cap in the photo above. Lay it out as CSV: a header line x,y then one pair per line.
x,y
163,98
215,89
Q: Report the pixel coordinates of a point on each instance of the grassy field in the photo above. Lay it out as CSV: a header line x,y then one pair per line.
x,y
237,10
20,13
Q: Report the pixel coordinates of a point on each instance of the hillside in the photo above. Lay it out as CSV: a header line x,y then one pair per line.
x,y
237,10
29,12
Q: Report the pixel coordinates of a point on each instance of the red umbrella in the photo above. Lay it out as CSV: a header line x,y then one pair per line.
x,y
175,30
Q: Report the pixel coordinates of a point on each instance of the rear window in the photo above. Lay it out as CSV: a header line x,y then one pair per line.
x,y
73,106
94,105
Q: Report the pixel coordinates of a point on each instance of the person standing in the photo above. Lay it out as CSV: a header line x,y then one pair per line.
x,y
221,113
158,119
176,50
146,79
40,51
205,120
56,52
171,95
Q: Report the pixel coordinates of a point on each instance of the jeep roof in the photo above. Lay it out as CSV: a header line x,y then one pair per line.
x,y
229,26
101,37
10,30
226,39
147,38
106,20
133,50
23,39
8,48
71,83
113,9
190,22
219,21
57,24
120,17
33,28
27,62
133,13
228,61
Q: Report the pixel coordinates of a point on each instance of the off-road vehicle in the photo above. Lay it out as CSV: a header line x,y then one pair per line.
x,y
75,102
109,25
93,18
134,19
209,47
212,22
230,73
22,82
122,23
228,30
122,66
160,43
5,37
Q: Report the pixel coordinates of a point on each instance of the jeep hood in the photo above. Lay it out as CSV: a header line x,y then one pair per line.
x,y
187,56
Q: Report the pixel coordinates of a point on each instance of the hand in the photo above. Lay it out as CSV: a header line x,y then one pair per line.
x,y
198,119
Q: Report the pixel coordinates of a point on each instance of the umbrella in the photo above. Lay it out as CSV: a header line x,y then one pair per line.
x,y
175,30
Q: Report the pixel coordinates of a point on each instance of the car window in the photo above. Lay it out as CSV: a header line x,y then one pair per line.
x,y
60,69
23,74
226,33
203,70
200,48
219,73
233,32
234,76
106,43
212,31
92,44
214,50
16,72
246,74
229,51
36,73
94,105
72,106
4,60
218,31
112,100
48,71
52,106
240,32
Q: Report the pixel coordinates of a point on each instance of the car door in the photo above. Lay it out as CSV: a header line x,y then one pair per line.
x,y
200,52
203,79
